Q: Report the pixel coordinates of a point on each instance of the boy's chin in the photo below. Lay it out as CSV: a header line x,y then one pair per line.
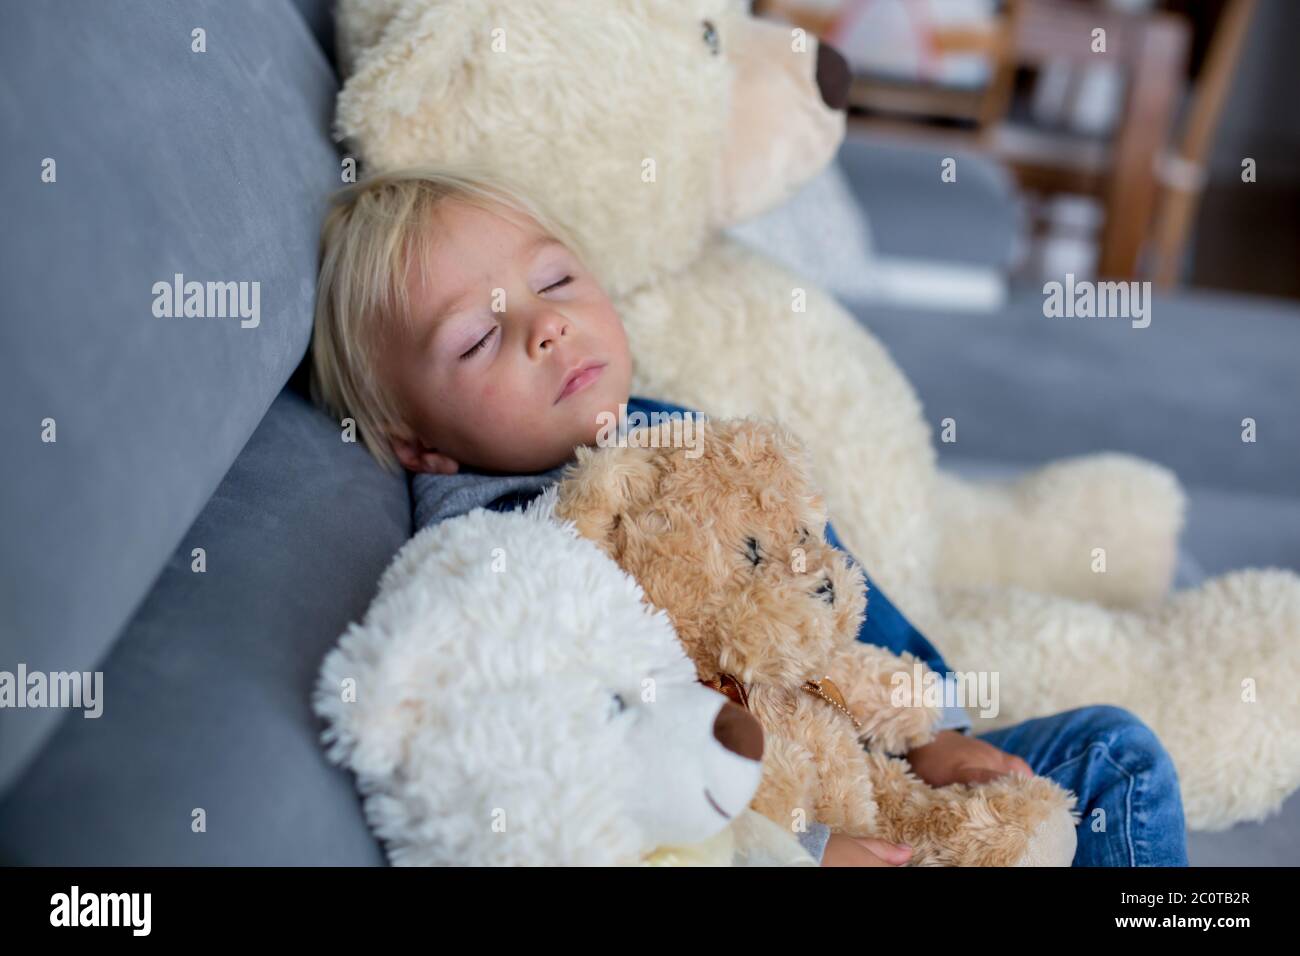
x,y
595,417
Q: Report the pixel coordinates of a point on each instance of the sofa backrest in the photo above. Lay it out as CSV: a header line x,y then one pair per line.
x,y
140,150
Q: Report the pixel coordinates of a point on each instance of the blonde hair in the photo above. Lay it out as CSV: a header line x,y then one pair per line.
x,y
371,234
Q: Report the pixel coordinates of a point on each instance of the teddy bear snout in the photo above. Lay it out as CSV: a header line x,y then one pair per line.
x,y
833,76
739,731
826,591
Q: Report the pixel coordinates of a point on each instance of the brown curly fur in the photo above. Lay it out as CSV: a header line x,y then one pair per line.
x,y
732,545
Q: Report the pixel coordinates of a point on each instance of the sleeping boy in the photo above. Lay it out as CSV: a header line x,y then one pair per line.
x,y
457,325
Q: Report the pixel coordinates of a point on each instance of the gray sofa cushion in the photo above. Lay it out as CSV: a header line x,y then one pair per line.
x,y
207,694
319,17
213,165
900,188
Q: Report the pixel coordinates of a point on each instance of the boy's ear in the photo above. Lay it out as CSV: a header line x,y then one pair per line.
x,y
603,484
416,456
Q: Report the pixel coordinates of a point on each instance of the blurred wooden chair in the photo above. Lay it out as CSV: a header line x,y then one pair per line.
x,y
1126,173
1183,173
1122,173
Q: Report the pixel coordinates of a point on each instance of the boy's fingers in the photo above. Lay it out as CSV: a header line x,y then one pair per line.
x,y
1019,766
981,774
891,852
969,774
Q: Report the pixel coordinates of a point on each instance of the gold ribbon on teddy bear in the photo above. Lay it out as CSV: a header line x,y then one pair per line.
x,y
738,693
827,691
729,687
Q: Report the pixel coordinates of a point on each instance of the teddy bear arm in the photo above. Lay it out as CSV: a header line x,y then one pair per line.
x,y
869,677
1048,530
1013,821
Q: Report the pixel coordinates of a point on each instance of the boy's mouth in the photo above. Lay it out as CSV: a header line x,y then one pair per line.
x,y
579,378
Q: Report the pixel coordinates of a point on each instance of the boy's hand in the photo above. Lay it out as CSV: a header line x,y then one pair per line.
x,y
953,757
844,850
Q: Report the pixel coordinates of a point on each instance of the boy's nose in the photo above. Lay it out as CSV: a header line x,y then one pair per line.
x,y
550,328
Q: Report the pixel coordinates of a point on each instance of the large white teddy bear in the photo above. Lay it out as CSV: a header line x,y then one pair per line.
x,y
647,127
510,699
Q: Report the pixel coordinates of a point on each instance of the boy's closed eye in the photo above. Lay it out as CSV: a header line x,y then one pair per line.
x,y
478,345
481,343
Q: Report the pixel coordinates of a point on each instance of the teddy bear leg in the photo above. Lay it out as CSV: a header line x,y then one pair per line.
x,y
1228,707
1098,527
787,792
1213,672
814,769
845,796
1011,821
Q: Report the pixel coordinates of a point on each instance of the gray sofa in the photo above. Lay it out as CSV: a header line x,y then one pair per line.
x,y
175,434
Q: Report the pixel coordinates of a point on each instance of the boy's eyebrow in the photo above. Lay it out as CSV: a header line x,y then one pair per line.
x,y
448,306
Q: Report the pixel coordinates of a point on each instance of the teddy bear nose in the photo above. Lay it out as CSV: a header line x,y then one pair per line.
x,y
739,731
826,591
833,76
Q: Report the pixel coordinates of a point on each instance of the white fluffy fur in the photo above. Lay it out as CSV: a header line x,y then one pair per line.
x,y
570,109
484,729
1213,669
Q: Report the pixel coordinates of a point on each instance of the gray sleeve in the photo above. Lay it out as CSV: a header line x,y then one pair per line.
x,y
814,839
953,717
439,497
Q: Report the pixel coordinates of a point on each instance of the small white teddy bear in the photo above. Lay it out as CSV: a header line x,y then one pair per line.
x,y
510,699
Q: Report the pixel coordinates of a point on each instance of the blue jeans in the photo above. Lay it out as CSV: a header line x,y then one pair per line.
x,y
1129,802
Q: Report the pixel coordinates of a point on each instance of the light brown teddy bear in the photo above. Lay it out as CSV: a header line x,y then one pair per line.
x,y
723,528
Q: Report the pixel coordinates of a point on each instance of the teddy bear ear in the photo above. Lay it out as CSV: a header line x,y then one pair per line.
x,y
399,58
756,436
793,447
601,485
796,451
357,28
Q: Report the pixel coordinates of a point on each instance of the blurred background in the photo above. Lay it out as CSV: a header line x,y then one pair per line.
x,y
996,145
1128,160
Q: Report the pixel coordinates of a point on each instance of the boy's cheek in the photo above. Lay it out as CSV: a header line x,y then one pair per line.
x,y
620,382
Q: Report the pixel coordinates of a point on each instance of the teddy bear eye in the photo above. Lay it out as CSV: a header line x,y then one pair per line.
x,y
617,705
751,551
803,535
711,37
